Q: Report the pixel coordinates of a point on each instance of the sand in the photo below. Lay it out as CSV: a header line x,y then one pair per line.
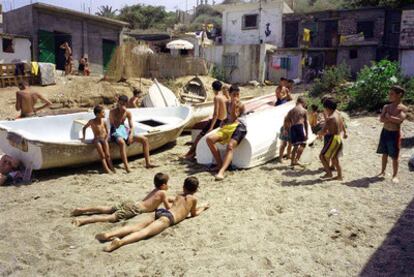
x,y
266,221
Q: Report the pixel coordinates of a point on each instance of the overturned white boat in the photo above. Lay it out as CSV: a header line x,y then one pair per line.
x,y
261,143
54,141
159,96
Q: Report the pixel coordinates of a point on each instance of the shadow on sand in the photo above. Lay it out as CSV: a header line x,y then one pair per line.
x,y
407,142
395,257
364,182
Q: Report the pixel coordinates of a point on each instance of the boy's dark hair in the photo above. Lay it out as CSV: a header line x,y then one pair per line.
x,y
283,79
314,108
217,85
98,109
160,179
22,85
398,90
123,98
234,88
136,91
290,81
191,184
330,104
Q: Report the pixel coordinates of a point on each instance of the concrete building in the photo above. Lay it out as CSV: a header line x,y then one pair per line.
x,y
256,22
14,49
354,37
407,43
49,27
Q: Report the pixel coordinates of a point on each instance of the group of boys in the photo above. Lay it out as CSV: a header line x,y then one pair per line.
x,y
119,133
228,117
175,210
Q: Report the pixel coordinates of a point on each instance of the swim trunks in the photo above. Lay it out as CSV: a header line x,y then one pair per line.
x,y
283,136
240,133
332,146
166,213
207,127
280,102
121,132
297,134
126,210
390,143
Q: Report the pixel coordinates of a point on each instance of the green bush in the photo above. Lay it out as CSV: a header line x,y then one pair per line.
x,y
218,73
409,94
331,79
371,88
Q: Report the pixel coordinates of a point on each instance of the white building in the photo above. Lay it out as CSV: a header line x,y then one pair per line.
x,y
14,49
256,22
407,43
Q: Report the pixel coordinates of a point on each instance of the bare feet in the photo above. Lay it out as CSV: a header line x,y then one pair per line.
x,y
395,180
77,222
148,166
128,169
102,237
189,157
76,212
219,177
327,176
115,244
381,175
338,178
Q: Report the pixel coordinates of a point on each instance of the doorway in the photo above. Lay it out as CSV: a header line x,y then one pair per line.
x,y
61,38
108,49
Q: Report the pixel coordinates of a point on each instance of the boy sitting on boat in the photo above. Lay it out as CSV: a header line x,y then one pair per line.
x,y
219,115
133,101
101,136
184,204
393,115
26,101
127,209
231,133
298,122
332,139
123,135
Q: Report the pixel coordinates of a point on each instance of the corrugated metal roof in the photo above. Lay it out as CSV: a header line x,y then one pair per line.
x,y
13,35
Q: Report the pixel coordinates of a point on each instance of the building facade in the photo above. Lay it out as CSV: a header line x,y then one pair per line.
x,y
407,43
49,27
14,49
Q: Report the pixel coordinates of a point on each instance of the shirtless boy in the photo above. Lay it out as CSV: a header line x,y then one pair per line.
x,y
232,132
298,122
127,209
101,136
68,57
285,140
332,140
8,165
133,101
26,101
219,115
123,135
184,204
392,116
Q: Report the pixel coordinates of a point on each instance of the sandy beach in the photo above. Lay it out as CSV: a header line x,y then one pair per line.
x,y
266,221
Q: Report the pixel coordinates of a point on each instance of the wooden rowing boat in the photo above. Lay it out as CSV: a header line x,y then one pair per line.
x,y
54,141
194,92
261,143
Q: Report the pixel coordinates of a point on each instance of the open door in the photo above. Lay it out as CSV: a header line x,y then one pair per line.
x,y
108,49
61,38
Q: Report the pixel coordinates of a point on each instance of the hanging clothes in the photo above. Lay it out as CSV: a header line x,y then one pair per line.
x,y
35,68
306,35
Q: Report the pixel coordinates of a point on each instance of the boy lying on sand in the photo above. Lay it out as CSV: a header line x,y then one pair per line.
x,y
127,209
393,115
101,136
184,204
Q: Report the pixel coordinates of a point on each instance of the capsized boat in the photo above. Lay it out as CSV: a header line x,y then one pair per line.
x,y
54,141
261,143
194,92
159,96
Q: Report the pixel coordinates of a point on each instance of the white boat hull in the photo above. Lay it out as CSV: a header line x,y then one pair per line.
x,y
160,96
261,143
53,141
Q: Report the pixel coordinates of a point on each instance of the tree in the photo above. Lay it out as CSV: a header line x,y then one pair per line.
x,y
106,11
304,6
147,17
379,3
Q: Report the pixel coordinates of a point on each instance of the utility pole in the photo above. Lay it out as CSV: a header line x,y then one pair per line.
x,y
260,21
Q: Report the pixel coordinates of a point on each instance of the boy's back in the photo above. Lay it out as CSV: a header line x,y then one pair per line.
x,y
153,200
297,115
182,206
334,124
220,106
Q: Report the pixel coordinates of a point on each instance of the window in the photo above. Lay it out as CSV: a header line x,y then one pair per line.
x,y
366,27
250,21
8,45
231,60
353,54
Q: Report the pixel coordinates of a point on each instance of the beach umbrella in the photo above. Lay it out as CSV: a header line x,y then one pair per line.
x,y
180,44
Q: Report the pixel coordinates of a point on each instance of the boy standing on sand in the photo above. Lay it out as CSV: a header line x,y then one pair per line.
x,y
332,140
285,140
298,122
392,116
123,135
127,209
26,101
219,115
101,136
184,204
231,133
133,101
